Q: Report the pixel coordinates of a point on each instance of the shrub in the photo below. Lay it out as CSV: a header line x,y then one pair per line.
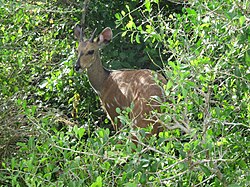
x,y
49,135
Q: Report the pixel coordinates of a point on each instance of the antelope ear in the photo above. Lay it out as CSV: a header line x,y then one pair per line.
x,y
77,32
105,36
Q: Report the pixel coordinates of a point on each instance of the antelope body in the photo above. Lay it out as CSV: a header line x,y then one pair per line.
x,y
119,88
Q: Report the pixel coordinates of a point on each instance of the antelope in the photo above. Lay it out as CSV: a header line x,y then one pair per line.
x,y
119,88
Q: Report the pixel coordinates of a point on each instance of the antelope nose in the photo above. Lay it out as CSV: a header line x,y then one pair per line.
x,y
77,67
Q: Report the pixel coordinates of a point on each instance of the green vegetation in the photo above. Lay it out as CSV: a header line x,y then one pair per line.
x,y
53,131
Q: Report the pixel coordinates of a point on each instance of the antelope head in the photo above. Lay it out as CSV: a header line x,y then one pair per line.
x,y
88,50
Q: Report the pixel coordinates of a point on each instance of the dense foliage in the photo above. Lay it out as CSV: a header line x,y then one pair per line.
x,y
53,131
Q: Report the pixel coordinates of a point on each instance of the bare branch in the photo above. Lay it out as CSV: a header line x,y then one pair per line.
x,y
84,12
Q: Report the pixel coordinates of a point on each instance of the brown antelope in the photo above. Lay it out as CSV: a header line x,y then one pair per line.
x,y
119,88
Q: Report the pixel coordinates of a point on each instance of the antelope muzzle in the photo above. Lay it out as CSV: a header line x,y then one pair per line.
x,y
77,66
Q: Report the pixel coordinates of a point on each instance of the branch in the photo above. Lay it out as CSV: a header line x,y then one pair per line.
x,y
177,125
84,12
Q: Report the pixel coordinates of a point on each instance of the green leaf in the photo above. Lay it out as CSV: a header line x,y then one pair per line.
x,y
24,104
169,85
130,184
170,63
156,1
184,92
123,13
44,159
187,147
191,11
247,57
234,185
13,163
101,133
33,110
81,132
149,29
140,28
148,5
106,165
132,37
242,20
123,119
118,110
130,24
242,164
31,142
118,16
19,102
205,170
128,8
143,178
4,165
137,39
98,182
124,33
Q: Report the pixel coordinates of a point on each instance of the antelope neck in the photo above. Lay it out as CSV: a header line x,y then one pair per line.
x,y
97,74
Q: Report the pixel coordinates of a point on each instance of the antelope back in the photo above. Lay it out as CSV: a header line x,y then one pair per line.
x,y
122,88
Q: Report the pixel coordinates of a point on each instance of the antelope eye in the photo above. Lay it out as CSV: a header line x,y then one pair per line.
x,y
91,52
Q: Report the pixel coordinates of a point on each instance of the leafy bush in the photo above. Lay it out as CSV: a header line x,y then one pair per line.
x,y
49,135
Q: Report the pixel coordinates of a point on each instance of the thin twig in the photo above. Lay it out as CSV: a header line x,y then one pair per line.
x,y
84,12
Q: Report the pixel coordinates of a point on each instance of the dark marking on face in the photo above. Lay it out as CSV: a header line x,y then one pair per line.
x,y
81,54
90,52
